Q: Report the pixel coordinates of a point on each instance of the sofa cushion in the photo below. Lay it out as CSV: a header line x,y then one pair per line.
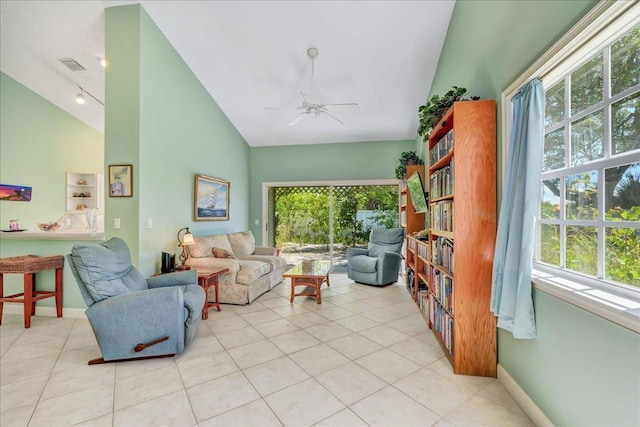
x,y
243,243
204,245
250,271
274,262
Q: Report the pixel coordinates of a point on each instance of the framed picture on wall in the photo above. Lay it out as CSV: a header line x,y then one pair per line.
x,y
120,180
211,199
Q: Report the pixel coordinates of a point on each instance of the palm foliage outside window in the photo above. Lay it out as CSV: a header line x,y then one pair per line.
x,y
590,209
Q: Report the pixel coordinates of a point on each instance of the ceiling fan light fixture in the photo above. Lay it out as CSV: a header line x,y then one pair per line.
x,y
313,52
80,97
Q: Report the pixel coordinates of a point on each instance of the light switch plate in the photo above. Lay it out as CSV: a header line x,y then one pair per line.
x,y
149,222
116,223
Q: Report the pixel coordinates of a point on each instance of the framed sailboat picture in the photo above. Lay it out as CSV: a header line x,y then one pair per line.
x,y
211,199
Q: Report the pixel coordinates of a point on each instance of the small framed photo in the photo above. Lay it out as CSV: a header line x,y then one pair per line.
x,y
120,180
211,199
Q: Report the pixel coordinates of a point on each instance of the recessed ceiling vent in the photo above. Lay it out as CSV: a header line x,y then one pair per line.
x,y
72,64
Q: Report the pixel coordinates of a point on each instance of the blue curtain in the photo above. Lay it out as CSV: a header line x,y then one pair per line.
x,y
511,299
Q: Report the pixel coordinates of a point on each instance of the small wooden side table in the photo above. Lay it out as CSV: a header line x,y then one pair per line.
x,y
206,279
29,265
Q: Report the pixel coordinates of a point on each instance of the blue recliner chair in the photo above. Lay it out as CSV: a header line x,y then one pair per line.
x,y
378,265
134,318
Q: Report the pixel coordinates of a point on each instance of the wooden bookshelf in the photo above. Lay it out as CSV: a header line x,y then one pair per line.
x,y
463,222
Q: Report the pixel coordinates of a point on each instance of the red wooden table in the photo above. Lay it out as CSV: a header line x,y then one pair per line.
x,y
206,279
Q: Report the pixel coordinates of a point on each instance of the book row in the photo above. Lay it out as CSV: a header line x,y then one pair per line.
x,y
442,323
442,286
423,251
442,216
441,182
442,147
423,302
442,253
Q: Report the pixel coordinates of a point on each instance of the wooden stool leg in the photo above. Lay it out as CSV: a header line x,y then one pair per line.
x,y
293,287
1,295
33,295
59,292
28,299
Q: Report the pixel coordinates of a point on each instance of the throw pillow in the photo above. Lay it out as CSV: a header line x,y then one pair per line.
x,y
220,253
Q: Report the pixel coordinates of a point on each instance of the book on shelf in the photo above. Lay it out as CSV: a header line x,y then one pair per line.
x,y
442,147
442,286
442,215
442,182
442,253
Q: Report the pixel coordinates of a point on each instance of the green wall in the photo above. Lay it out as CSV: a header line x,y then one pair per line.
x,y
39,144
160,118
320,162
582,369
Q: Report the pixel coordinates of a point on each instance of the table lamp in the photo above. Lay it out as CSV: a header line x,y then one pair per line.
x,y
186,240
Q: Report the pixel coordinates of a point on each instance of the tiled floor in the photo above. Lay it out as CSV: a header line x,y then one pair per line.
x,y
362,357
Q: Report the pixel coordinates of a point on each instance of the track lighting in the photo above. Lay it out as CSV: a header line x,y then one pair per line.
x,y
80,97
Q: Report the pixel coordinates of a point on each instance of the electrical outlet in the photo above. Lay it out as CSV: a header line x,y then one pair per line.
x,y
116,223
257,222
68,221
149,222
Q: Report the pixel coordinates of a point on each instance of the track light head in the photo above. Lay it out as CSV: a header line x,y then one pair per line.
x,y
80,97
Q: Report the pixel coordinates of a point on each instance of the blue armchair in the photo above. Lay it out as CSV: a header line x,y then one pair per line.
x,y
379,264
134,318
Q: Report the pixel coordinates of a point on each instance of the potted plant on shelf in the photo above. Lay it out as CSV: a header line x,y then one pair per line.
x,y
407,158
430,113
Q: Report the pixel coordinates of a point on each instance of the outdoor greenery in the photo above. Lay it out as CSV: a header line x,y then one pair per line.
x,y
619,193
303,216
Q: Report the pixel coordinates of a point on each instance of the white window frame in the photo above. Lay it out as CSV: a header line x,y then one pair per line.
x,y
606,22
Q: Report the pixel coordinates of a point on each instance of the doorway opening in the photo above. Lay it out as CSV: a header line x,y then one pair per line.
x,y
313,221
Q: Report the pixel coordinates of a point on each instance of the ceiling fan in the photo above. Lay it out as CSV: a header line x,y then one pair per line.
x,y
309,107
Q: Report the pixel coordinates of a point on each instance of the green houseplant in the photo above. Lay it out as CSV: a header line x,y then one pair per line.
x,y
407,158
430,113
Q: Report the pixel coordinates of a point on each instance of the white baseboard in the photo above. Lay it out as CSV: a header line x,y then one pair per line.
x,y
537,417
74,313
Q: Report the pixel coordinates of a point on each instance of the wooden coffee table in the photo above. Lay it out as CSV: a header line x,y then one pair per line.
x,y
206,279
311,275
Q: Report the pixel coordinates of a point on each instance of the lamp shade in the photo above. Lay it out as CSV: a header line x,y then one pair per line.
x,y
188,239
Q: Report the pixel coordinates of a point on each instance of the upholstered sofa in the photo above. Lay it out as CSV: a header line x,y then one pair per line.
x,y
253,270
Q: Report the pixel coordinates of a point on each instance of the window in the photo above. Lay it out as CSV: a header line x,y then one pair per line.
x,y
590,209
588,231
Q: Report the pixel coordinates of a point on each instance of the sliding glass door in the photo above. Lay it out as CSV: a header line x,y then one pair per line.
x,y
321,221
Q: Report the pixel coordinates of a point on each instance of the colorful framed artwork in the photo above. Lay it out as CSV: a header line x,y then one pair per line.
x,y
120,180
15,193
211,199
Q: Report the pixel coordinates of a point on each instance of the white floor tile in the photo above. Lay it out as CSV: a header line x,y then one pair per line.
x,y
256,413
318,359
390,407
221,395
303,404
172,409
275,375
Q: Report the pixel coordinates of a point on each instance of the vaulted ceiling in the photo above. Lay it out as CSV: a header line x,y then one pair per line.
x,y
250,55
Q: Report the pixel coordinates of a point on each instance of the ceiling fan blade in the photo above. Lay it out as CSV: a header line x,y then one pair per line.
x,y
298,119
283,108
333,117
345,106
